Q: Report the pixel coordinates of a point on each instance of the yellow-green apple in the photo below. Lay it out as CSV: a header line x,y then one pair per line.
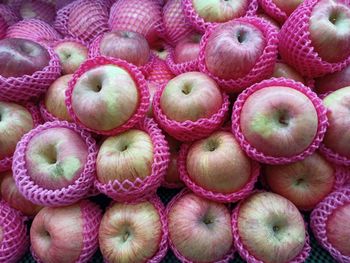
x,y
287,7
196,95
126,156
71,54
200,229
232,49
330,30
172,177
305,183
332,82
160,50
218,164
283,70
188,48
21,57
130,232
271,228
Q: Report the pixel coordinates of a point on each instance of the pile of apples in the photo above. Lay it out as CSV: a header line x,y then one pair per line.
x,y
242,105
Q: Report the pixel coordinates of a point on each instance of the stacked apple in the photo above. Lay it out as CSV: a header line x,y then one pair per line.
x,y
240,107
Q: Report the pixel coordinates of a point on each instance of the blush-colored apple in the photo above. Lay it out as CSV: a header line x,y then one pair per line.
x,y
287,6
332,82
188,48
283,70
172,176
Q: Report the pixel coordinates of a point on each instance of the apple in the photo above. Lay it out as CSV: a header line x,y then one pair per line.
x,y
218,164
287,7
172,177
270,228
11,194
60,234
330,30
279,121
21,57
232,49
105,97
337,137
220,11
188,48
71,54
283,70
305,183
197,96
126,156
15,121
38,9
127,45
55,98
270,20
152,87
55,157
130,232
199,229
332,82
160,50
160,72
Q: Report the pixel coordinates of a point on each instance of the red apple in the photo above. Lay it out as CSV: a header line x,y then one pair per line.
x,y
172,177
196,95
21,57
128,45
333,81
287,7
233,49
283,70
188,48
330,30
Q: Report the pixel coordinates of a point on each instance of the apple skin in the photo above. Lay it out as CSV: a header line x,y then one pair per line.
x,y
172,177
152,87
283,70
337,137
11,194
55,158
220,11
200,229
279,121
188,48
196,95
218,164
130,232
330,30
22,56
56,234
305,183
71,54
105,97
127,45
270,20
126,156
55,98
287,6
232,49
271,228
337,229
332,82
15,121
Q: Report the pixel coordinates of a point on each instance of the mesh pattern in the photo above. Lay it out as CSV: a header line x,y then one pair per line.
x,y
3,27
296,48
8,14
189,130
134,73
198,22
272,10
333,156
226,259
319,218
143,17
245,254
15,238
160,73
142,188
45,114
58,197
264,66
179,68
260,156
43,10
215,196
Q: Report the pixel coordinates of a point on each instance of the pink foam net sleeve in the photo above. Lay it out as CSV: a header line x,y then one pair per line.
x,y
179,68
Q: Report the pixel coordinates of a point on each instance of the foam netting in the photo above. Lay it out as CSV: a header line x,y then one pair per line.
x,y
53,44
173,185
189,130
27,87
3,27
333,156
215,196
163,244
296,48
94,51
92,216
83,19
260,156
160,72
245,254
179,68
176,26
319,218
33,29
200,24
135,73
273,10
43,10
226,259
144,17
45,114
58,197
142,188
264,65
8,14
15,241
5,164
